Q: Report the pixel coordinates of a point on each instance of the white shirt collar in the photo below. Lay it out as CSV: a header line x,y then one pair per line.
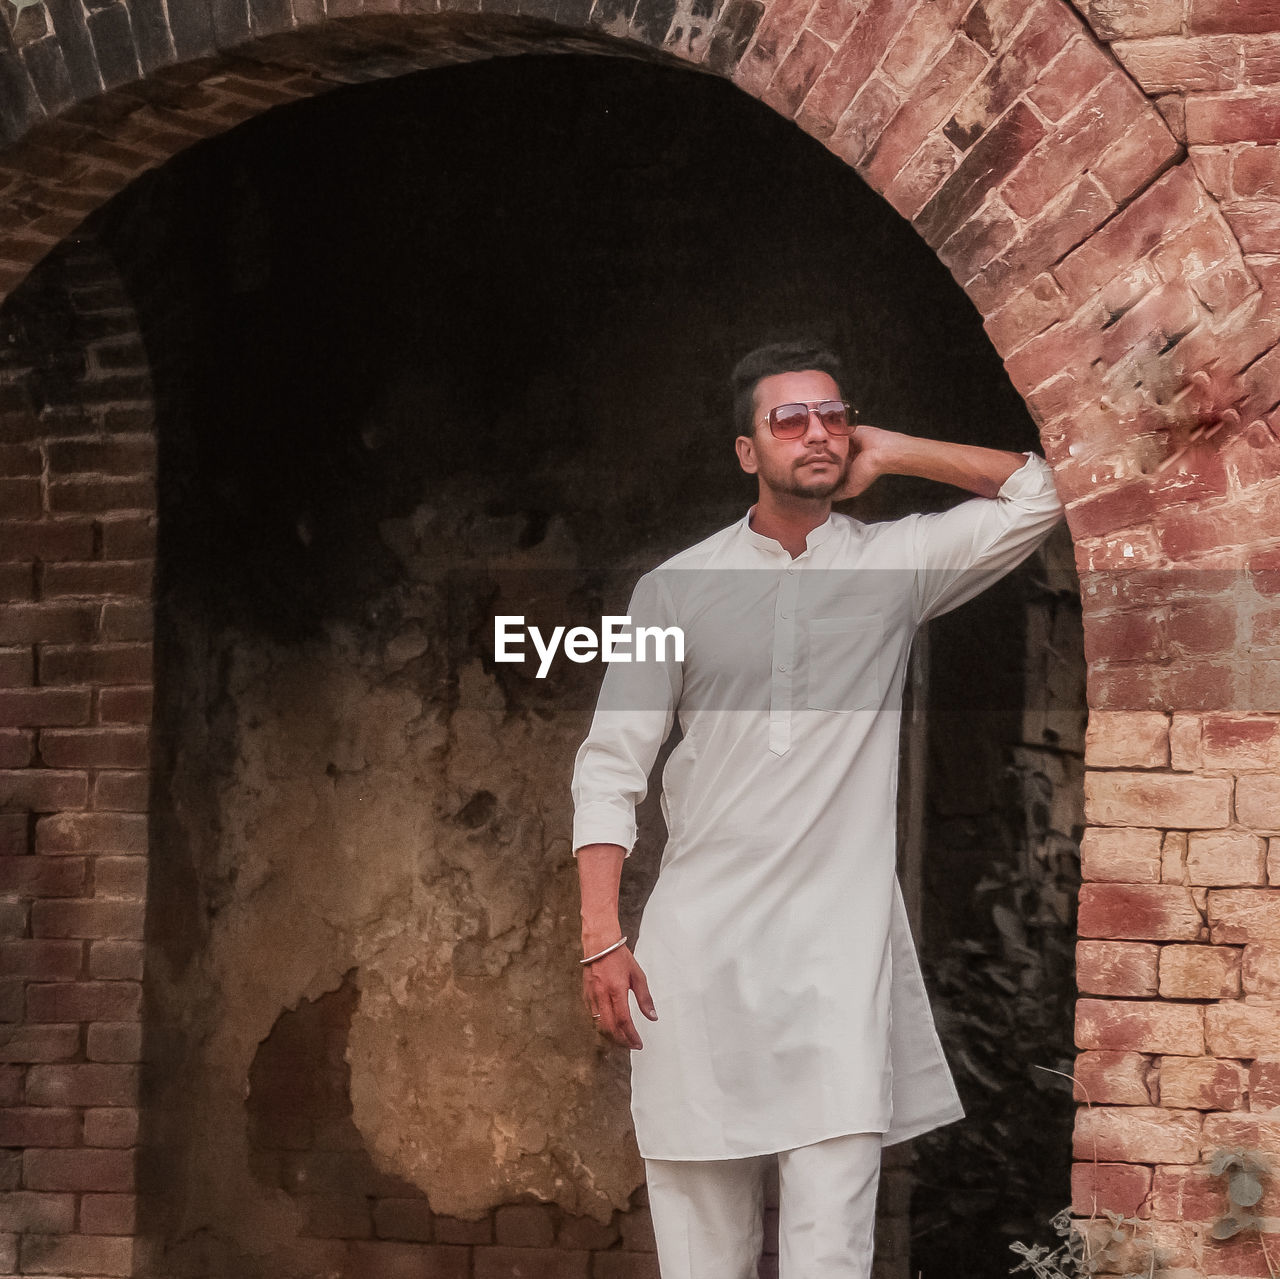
x,y
815,538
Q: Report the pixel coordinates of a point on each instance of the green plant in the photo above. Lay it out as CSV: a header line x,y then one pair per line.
x,y
1244,1171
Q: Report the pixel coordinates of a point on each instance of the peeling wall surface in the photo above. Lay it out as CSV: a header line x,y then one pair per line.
x,y
352,801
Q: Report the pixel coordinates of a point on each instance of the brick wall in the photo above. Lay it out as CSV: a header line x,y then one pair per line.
x,y
1104,187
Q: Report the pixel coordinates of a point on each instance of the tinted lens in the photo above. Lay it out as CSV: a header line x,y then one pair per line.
x,y
789,421
834,417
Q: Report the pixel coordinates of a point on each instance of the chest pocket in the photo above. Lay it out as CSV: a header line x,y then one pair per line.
x,y
844,662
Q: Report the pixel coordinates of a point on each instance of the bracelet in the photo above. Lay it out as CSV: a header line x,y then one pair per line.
x,y
622,941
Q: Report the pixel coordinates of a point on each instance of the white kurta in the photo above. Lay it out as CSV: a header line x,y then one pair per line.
x,y
776,945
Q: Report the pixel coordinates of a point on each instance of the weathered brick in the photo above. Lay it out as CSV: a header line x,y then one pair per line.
x,y
101,496
84,1001
1215,118
42,623
85,1169
1264,1084
1155,799
1200,972
38,1043
406,1219
39,1126
1226,857
1139,912
112,1126
1114,1078
1101,1188
496,1262
524,1225
96,663
127,577
1139,1026
1241,1131
108,1214
120,790
82,1084
38,707
1127,739
386,1260
1242,1030
1120,854
1258,801
1117,968
41,958
97,1255
1205,16
1201,1083
115,1041
1185,734
48,540
1241,915
1137,1134
95,748
128,620
125,705
1173,858
121,455
116,959
72,917
1187,1193
43,790
1178,65
37,877
92,833
28,1212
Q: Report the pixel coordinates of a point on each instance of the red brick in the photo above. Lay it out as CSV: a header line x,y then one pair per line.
x,y
1241,1256
116,959
329,1216
1166,206
630,1265
407,1219
43,790
1139,912
921,176
1179,65
128,538
991,158
1118,1188
1151,799
38,707
524,1225
115,1041
1242,1030
1111,1078
1181,1193
1261,60
1258,801
120,877
797,74
1226,857
82,1169
125,705
921,39
91,497
95,748
1240,743
1220,118
95,664
20,498
847,75
128,620
17,667
20,459
119,456
39,1043
113,1126
39,1126
379,1259
47,540
84,1000
48,623
1201,1083
87,918
96,1255
17,582
529,1263
41,958
1029,314
924,111
122,577
979,241
1117,968
1137,1026
120,791
1242,915
41,877
857,130
1137,1134
108,1214
92,833
773,38
83,1084
1199,972
30,1213
1264,1084
1241,1131
1134,739
1244,16
14,834
17,749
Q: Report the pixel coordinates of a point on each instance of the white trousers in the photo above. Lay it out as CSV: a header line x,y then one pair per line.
x,y
708,1214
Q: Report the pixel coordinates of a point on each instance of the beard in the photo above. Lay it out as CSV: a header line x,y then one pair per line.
x,y
817,487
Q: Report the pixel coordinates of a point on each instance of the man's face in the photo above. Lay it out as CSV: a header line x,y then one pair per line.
x,y
813,465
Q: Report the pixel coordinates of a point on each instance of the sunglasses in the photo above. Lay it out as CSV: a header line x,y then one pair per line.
x,y
791,421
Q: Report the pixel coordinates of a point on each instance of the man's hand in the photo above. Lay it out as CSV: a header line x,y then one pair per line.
x,y
869,450
605,987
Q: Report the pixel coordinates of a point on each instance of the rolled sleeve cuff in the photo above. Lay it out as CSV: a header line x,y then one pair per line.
x,y
1034,478
600,822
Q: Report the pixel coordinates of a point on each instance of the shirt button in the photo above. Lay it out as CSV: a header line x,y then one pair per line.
x,y
782,666
784,616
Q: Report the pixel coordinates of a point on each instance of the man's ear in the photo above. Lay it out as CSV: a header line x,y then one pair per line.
x,y
746,448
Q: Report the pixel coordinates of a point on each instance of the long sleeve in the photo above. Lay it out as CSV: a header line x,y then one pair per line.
x,y
633,716
960,552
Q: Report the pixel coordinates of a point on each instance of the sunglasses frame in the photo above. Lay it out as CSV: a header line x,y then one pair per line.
x,y
851,416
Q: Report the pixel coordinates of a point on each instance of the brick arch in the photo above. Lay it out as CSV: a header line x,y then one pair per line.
x,y
1135,307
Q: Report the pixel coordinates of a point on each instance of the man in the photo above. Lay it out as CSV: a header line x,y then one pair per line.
x,y
787,1012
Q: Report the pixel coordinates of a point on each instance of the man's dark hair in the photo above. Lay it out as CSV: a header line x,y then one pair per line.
x,y
765,361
